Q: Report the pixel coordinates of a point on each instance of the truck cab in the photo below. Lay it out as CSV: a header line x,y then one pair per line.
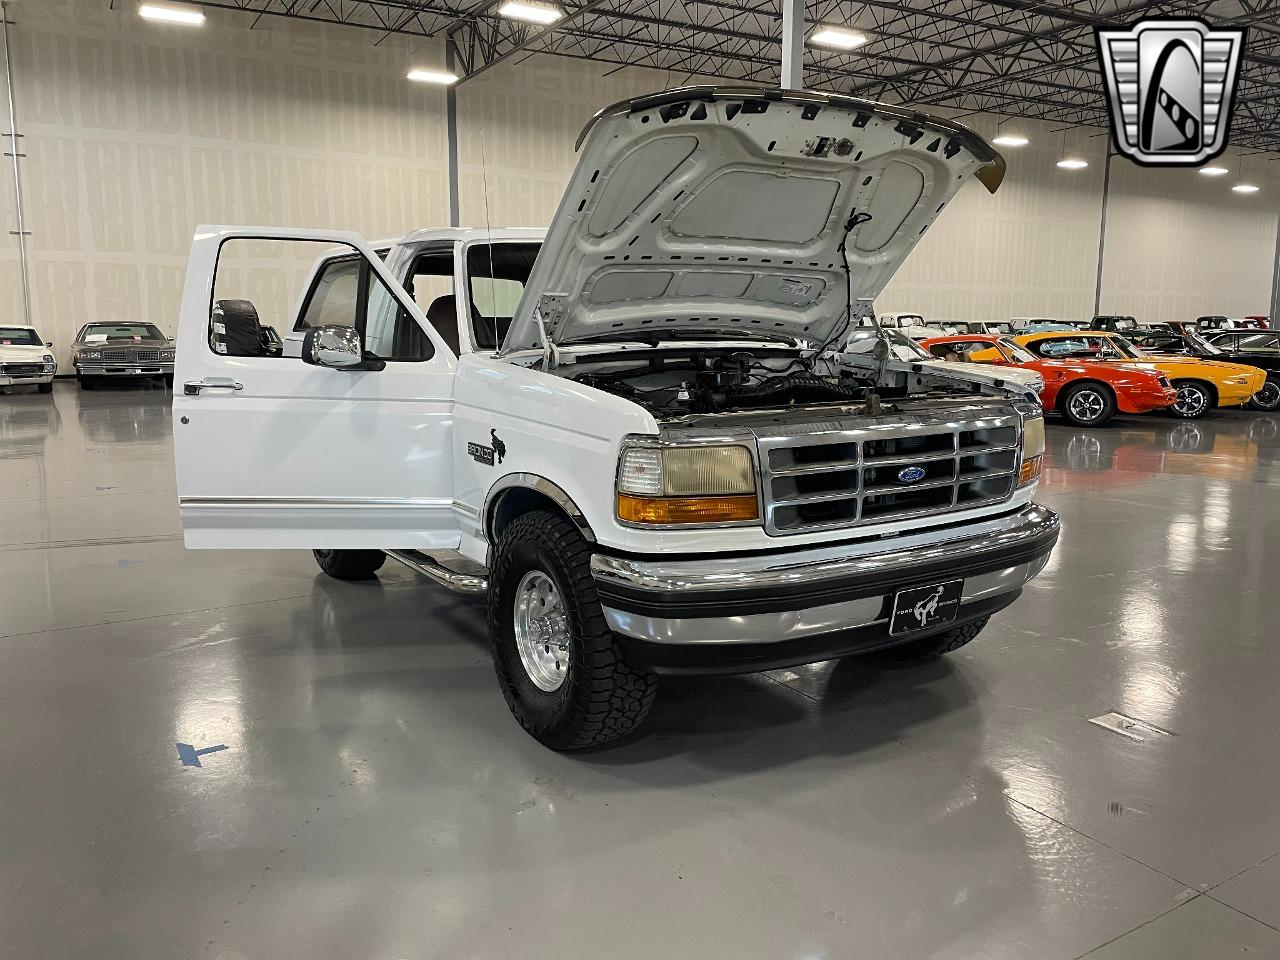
x,y
667,440
465,281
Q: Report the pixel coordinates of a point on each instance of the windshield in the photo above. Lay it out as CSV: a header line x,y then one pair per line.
x,y
1016,353
1098,347
99,332
496,275
1201,343
1257,341
19,336
863,339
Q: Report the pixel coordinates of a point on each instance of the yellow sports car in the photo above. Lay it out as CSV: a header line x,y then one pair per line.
x,y
1202,384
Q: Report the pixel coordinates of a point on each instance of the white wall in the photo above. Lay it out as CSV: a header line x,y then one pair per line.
x,y
136,132
1181,245
1031,249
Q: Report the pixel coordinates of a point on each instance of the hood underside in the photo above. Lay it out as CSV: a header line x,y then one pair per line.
x,y
725,210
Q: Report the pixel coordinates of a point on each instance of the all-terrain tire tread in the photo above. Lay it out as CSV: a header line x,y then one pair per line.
x,y
616,697
927,648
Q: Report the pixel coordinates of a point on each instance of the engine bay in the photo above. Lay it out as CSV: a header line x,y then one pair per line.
x,y
681,382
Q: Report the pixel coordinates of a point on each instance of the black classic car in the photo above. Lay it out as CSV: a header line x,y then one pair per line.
x,y
1260,343
121,350
1251,347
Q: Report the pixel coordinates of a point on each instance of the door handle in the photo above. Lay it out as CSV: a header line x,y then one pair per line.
x,y
192,388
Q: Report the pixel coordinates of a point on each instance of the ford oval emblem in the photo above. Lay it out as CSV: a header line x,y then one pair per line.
x,y
910,474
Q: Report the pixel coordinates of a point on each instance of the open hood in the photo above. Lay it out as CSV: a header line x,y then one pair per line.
x,y
723,210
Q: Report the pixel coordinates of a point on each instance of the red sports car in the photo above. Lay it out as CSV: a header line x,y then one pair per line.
x,y
1086,394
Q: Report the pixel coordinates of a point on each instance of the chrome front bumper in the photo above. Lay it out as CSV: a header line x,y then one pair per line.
x,y
774,601
124,369
19,379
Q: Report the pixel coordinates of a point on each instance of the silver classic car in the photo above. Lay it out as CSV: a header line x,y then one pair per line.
x,y
121,350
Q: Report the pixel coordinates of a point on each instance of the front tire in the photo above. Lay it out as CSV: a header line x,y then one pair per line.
x,y
1194,400
350,564
1266,399
44,387
560,668
1087,405
927,648
168,380
86,383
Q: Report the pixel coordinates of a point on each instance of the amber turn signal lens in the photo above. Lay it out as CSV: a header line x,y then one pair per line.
x,y
1030,471
686,509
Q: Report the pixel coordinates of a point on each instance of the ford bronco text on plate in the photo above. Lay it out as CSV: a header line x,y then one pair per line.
x,y
675,458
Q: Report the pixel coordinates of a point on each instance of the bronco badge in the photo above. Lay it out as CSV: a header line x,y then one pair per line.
x,y
482,454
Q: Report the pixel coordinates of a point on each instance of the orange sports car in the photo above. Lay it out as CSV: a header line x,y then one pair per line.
x,y
1201,384
1086,394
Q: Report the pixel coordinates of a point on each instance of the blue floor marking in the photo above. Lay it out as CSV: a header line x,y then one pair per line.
x,y
190,756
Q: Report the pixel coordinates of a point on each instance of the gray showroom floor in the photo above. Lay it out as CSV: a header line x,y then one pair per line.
x,y
365,793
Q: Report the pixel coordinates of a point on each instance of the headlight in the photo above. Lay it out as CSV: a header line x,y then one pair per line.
x,y
669,485
48,358
89,355
166,355
1032,450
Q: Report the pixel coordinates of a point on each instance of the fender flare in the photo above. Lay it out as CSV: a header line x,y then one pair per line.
x,y
537,484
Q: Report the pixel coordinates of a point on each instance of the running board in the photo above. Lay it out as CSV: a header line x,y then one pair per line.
x,y
476,581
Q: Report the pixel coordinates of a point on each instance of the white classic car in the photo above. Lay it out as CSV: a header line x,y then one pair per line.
x,y
25,358
645,449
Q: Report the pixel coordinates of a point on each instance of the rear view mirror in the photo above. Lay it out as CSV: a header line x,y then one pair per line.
x,y
337,347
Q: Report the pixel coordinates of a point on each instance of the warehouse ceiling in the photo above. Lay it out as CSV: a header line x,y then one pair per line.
x,y
1013,57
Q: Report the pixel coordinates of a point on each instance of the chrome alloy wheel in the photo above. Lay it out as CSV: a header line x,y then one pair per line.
x,y
1086,405
1191,401
542,631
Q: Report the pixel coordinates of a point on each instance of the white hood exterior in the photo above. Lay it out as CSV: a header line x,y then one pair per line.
x,y
22,353
723,209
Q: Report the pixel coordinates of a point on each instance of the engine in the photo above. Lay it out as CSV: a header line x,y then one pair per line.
x,y
707,382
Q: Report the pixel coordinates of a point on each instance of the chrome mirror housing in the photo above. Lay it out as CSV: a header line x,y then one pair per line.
x,y
338,347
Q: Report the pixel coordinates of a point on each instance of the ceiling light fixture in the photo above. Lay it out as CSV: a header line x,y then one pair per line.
x,y
837,37
531,11
432,76
167,13
1246,188
1072,163
1214,171
1010,140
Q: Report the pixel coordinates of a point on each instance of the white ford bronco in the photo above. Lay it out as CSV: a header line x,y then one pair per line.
x,y
669,438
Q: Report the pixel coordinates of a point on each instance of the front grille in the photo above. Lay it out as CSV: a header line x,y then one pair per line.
x,y
21,369
119,356
148,356
837,478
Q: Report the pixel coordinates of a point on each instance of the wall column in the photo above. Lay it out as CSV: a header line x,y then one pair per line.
x,y
15,154
793,44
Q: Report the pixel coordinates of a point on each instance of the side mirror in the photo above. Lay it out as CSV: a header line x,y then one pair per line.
x,y
337,347
49,344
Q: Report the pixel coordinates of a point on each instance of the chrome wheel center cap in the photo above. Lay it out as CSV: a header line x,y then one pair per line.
x,y
541,631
